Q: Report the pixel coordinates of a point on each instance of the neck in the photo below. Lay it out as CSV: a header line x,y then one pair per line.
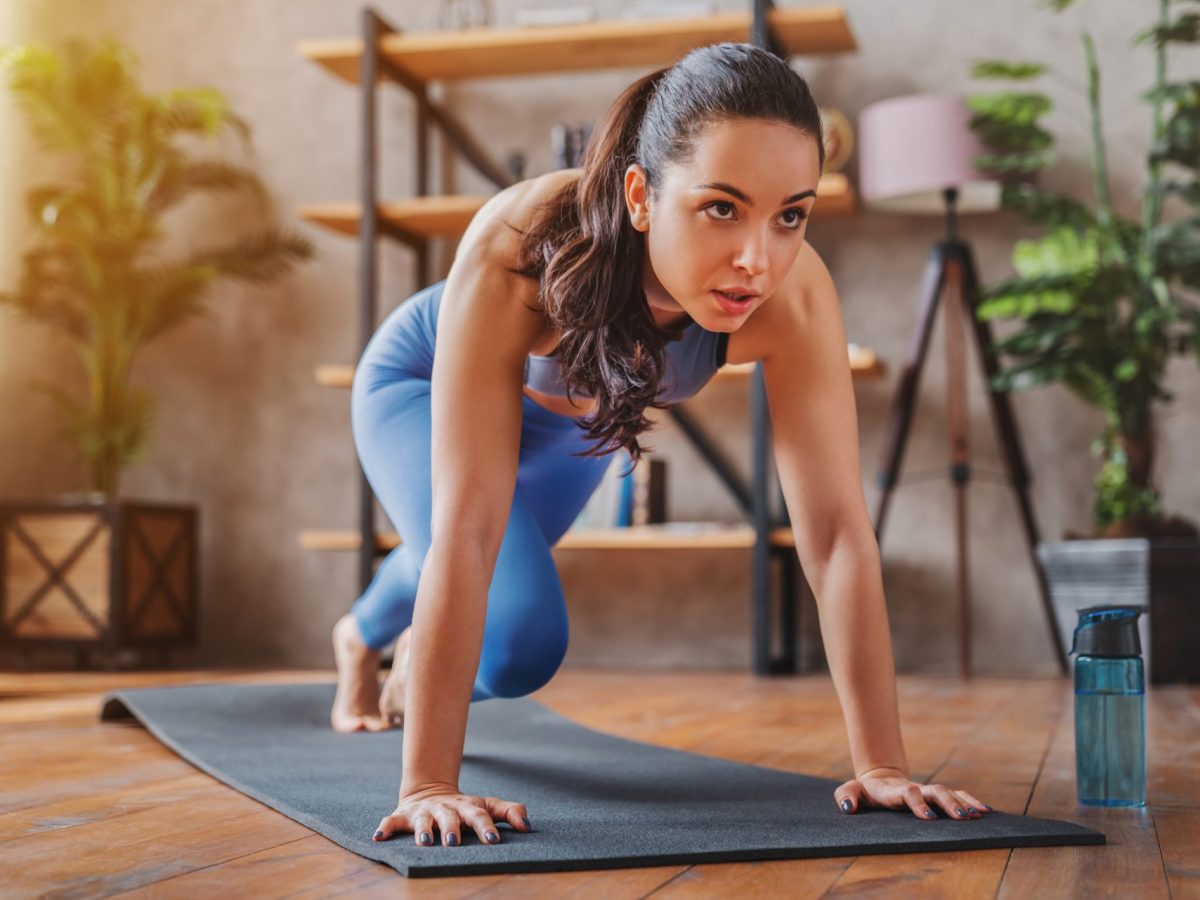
x,y
665,309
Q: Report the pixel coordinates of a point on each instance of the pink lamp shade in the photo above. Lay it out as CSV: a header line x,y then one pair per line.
x,y
912,148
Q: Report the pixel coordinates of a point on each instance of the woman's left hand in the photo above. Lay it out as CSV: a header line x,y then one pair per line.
x,y
892,789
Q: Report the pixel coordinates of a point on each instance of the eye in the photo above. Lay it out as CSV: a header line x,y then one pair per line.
x,y
800,215
722,203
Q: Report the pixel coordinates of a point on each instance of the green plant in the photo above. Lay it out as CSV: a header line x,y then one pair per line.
x,y
1102,299
95,271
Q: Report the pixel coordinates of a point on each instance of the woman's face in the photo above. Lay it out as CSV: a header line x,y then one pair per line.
x,y
742,235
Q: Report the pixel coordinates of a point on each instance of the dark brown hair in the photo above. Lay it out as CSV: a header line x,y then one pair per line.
x,y
588,257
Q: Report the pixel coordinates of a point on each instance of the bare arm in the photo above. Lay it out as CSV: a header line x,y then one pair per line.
x,y
811,399
484,332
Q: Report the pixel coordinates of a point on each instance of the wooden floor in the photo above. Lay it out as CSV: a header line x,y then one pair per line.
x,y
89,810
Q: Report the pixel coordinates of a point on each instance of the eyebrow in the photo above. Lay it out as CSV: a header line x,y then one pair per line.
x,y
730,189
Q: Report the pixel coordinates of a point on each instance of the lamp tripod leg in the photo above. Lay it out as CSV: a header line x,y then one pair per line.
x,y
957,420
900,419
1010,445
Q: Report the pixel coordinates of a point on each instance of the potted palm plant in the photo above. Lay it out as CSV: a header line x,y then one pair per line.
x,y
96,570
1103,303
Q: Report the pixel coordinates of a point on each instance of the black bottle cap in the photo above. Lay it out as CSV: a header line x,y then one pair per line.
x,y
1108,631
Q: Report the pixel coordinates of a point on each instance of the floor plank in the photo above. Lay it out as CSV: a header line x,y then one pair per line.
x,y
92,809
1130,863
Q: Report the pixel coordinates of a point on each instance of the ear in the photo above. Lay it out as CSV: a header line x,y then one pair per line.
x,y
636,199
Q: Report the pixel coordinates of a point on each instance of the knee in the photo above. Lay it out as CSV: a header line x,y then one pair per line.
x,y
522,661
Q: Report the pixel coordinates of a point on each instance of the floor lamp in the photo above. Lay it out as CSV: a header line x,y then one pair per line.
x,y
916,158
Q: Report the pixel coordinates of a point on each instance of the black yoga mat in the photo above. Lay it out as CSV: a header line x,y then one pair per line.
x,y
595,801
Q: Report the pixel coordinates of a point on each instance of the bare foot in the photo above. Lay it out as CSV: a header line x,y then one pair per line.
x,y
391,698
356,703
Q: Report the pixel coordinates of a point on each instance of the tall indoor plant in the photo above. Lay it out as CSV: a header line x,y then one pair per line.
x,y
96,275
1103,301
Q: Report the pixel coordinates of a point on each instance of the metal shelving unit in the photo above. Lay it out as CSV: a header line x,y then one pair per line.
x,y
385,55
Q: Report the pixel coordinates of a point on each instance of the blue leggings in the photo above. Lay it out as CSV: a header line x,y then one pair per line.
x,y
525,630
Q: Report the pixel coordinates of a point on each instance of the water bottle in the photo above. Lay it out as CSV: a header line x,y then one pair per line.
x,y
1110,707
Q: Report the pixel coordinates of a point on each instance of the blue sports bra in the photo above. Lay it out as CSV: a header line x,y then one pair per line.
x,y
407,338
692,359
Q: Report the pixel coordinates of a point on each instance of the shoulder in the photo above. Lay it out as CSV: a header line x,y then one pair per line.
x,y
805,289
481,283
499,223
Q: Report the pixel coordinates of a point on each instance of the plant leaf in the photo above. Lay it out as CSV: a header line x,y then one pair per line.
x,y
998,68
260,257
1184,30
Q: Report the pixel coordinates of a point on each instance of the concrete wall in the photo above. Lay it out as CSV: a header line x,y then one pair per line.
x,y
245,433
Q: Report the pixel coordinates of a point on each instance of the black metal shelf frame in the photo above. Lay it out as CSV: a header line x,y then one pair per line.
x,y
752,499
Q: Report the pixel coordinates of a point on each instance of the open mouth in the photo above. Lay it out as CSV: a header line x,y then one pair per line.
x,y
733,303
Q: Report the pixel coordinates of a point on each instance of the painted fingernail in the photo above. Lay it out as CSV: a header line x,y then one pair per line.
x,y
379,834
426,838
930,814
452,840
988,808
958,811
492,837
847,805
972,810
525,819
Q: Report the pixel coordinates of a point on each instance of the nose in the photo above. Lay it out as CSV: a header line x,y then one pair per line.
x,y
752,258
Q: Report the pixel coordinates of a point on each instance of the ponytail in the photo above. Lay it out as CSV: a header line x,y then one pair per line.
x,y
586,254
611,348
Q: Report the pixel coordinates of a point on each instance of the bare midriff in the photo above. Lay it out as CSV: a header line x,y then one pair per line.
x,y
560,405
578,406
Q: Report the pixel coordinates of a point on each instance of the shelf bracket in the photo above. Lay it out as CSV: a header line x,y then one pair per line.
x,y
713,456
458,135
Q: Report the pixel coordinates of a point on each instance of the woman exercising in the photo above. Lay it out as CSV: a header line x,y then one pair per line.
x,y
576,300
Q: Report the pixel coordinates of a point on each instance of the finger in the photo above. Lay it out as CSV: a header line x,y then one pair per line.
x,y
448,823
478,819
968,806
949,801
423,829
390,825
915,799
976,802
515,814
850,796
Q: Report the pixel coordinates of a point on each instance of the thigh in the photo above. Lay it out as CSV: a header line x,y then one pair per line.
x,y
555,483
526,629
391,421
392,426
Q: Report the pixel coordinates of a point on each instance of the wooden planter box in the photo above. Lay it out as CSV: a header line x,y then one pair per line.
x,y
1162,574
85,573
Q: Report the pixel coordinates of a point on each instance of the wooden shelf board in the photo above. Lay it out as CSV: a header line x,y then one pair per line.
x,y
449,215
676,536
863,364
612,44
429,217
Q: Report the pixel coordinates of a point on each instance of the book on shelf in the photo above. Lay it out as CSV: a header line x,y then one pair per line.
x,y
623,498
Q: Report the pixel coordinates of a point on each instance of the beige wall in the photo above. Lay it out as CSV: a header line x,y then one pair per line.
x,y
245,433
31,461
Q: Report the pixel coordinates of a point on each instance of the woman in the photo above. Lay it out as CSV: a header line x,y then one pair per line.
x,y
678,246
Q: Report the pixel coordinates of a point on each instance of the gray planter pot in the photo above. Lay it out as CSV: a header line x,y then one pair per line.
x,y
1162,574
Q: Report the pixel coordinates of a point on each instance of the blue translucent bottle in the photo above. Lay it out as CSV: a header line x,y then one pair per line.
x,y
1110,707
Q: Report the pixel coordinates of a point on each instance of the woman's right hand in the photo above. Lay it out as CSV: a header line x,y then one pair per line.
x,y
420,809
